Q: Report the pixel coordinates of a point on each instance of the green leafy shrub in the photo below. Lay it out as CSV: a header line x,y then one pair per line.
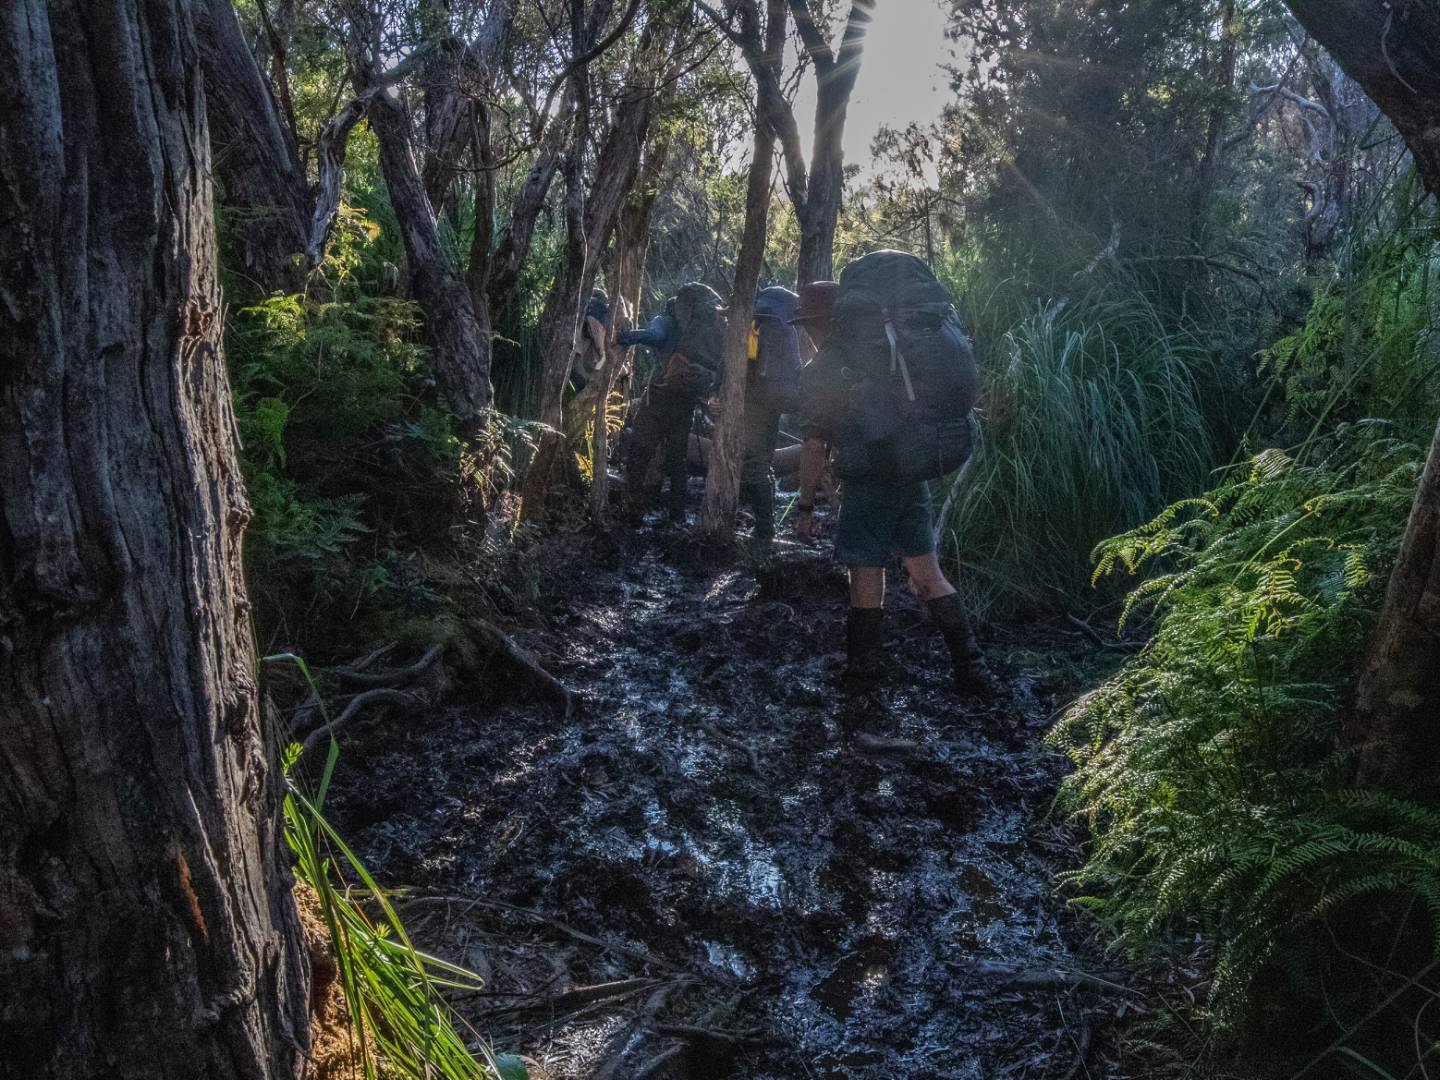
x,y
1366,347
1207,768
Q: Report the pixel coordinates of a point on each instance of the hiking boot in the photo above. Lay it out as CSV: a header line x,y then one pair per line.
x,y
864,649
972,674
759,550
758,496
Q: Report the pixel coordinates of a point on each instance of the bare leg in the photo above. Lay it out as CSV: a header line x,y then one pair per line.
x,y
867,587
926,577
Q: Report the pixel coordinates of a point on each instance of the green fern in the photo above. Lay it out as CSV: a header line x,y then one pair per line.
x,y
1205,769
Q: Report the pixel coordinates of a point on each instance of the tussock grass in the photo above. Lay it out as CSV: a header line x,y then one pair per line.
x,y
403,1026
1094,420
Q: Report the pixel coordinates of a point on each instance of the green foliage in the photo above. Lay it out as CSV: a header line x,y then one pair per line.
x,y
290,523
1206,768
1095,417
314,375
394,992
1366,347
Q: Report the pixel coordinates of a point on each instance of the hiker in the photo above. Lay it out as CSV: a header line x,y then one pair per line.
x,y
688,341
591,353
772,388
889,391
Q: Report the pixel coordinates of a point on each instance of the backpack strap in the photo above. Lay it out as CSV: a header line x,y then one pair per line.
x,y
897,358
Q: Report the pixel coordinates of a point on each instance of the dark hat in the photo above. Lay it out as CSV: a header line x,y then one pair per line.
x,y
817,300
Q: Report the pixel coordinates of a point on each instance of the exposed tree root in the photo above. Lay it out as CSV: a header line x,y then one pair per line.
x,y
491,640
389,678
383,697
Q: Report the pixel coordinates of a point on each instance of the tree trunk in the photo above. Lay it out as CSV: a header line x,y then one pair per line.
x,y
1214,157
818,210
462,354
827,181
589,224
1392,49
1396,726
146,924
722,481
559,320
632,241
262,186
512,251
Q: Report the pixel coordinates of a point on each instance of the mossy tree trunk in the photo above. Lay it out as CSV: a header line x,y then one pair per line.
x,y
146,924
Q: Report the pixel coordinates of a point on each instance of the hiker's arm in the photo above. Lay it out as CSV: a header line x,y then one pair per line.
x,y
812,466
657,335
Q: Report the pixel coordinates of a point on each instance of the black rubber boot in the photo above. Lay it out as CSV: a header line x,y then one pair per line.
x,y
758,495
864,650
972,674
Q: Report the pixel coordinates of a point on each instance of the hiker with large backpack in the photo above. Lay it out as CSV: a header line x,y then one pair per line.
x,y
889,394
688,339
772,388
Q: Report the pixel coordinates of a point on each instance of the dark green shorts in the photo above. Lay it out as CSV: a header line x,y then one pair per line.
x,y
882,519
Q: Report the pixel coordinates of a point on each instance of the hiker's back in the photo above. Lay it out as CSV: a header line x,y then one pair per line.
x,y
909,368
700,325
775,364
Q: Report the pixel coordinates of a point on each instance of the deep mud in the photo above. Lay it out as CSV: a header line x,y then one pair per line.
x,y
698,876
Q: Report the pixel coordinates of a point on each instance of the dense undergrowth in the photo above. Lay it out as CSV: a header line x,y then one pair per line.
x,y
1212,770
362,495
1094,417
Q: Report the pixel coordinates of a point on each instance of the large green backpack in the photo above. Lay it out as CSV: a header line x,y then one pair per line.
x,y
700,326
909,368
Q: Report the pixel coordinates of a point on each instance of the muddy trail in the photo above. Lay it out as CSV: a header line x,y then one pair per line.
x,y
696,874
